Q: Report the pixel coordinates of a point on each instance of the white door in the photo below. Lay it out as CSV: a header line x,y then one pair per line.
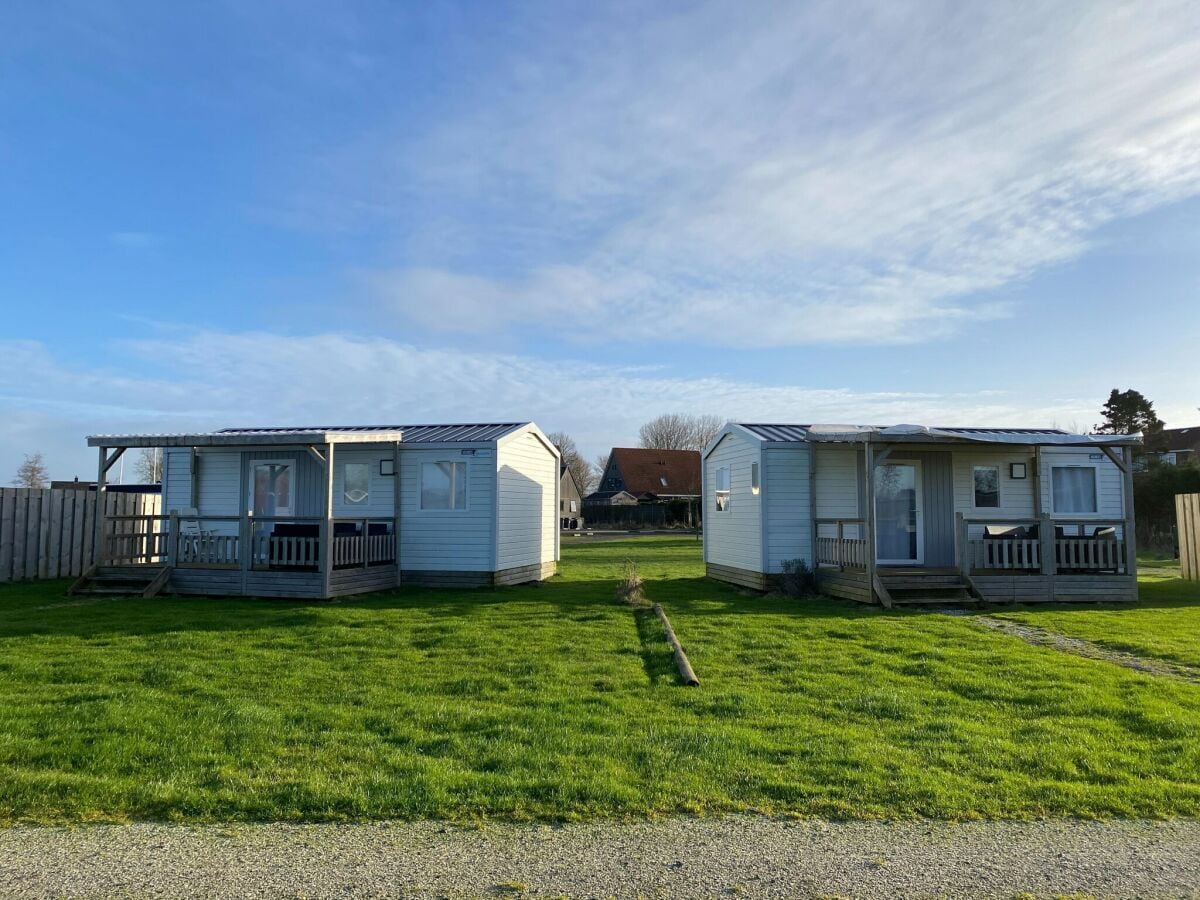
x,y
899,526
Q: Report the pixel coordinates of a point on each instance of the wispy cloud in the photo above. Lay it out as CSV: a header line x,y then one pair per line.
x,y
824,174
213,379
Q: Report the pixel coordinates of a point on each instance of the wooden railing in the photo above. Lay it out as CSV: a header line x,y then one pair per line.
x,y
205,542
133,540
364,548
838,549
1044,551
230,542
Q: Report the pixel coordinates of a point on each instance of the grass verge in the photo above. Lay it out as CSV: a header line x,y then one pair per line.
x,y
552,702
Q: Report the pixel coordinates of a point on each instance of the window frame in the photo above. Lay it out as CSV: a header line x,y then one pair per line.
x,y
718,492
975,467
291,461
444,510
365,501
1095,470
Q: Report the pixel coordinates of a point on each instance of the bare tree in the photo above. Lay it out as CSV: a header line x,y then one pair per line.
x,y
679,431
580,468
149,465
32,472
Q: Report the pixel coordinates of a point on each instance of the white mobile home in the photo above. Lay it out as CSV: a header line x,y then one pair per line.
x,y
919,514
328,511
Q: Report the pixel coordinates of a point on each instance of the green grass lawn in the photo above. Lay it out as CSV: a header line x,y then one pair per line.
x,y
555,702
1164,623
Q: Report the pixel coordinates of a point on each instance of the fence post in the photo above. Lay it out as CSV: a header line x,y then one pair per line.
x,y
366,543
1048,545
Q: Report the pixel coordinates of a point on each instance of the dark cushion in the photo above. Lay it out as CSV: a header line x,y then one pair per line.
x,y
296,529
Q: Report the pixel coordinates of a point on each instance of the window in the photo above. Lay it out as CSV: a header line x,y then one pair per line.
x,y
356,483
271,488
1074,489
987,486
662,480
574,506
443,485
722,492
754,485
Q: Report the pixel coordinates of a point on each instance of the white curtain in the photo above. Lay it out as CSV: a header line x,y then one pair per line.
x,y
1074,489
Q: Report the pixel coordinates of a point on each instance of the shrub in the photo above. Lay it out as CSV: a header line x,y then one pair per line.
x,y
798,579
629,588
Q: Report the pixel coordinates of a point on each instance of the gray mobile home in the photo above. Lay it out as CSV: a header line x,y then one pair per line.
x,y
919,514
328,511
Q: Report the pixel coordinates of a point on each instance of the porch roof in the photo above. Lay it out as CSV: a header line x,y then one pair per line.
x,y
926,434
318,434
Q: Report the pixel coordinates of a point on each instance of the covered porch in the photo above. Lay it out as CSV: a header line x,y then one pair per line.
x,y
267,549
933,529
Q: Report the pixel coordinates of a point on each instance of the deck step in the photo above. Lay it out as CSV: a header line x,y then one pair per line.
x,y
902,581
145,581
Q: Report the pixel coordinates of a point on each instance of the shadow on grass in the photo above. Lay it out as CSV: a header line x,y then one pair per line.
x,y
695,596
657,657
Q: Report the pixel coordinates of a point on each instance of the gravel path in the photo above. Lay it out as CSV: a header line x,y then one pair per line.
x,y
742,857
1088,649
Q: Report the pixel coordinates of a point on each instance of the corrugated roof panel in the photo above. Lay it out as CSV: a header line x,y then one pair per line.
x,y
455,433
778,433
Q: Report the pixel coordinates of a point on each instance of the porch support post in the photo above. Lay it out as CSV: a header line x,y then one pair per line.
x,y
327,524
1130,535
869,517
812,505
396,505
101,497
962,544
194,470
173,538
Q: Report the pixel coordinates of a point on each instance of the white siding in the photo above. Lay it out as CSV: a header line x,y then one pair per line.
x,y
733,537
787,494
381,490
220,482
177,479
1109,482
837,485
448,540
1016,495
527,480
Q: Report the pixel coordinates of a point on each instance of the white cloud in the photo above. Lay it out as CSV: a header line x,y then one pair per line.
x,y
214,379
818,175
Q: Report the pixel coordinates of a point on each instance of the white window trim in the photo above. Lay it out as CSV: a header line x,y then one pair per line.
x,y
728,492
273,461
755,479
1077,516
455,511
999,486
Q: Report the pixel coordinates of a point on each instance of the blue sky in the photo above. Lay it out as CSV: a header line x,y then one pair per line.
x,y
587,214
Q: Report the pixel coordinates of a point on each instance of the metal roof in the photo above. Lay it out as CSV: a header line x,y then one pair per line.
x,y
922,433
318,434
421,434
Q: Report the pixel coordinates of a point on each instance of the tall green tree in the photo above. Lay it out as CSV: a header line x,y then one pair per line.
x,y
1128,412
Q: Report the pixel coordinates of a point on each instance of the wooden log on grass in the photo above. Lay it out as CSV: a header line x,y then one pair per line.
x,y
681,660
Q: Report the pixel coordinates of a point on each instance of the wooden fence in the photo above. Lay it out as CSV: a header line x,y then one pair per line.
x,y
51,533
1187,513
